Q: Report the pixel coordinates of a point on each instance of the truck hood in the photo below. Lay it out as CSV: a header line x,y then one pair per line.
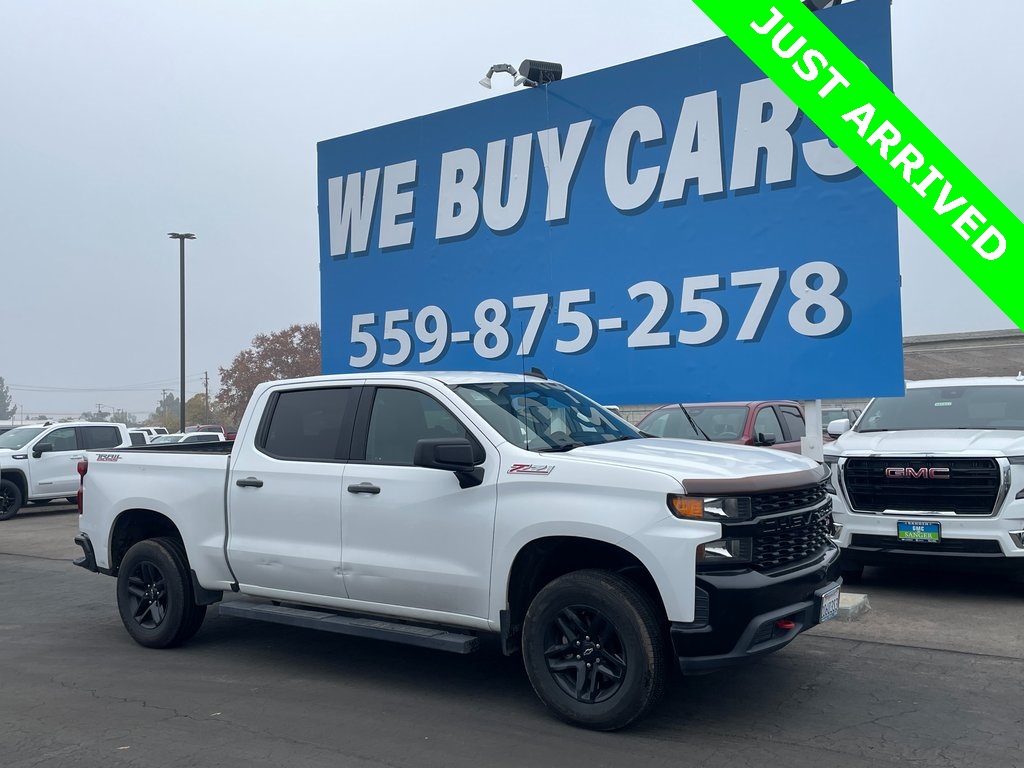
x,y
698,460
927,442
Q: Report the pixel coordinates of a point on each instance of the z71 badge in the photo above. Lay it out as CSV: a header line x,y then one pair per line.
x,y
530,469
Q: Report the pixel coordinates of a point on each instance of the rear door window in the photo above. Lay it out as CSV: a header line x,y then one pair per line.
x,y
98,438
309,424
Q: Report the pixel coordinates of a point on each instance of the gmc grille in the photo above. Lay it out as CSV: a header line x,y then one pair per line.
x,y
971,487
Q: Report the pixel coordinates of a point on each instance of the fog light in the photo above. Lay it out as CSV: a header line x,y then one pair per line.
x,y
726,551
1018,539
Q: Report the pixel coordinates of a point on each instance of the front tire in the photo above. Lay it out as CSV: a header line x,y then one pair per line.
x,y
154,594
10,499
594,649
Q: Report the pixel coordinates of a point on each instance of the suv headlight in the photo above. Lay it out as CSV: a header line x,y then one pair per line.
x,y
725,509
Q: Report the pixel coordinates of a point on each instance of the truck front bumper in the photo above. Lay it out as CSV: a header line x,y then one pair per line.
x,y
974,542
750,614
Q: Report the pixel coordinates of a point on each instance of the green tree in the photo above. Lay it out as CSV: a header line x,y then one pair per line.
x,y
287,354
198,412
167,414
6,403
118,416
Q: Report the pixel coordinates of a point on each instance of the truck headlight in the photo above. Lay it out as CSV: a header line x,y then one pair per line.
x,y
724,509
726,551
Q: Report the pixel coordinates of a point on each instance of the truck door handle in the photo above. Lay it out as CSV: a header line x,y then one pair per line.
x,y
249,482
364,488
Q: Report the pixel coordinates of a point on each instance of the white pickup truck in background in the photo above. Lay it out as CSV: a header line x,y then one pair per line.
x,y
435,508
934,477
39,462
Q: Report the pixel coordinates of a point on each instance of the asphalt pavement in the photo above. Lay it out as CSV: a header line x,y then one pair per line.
x,y
931,676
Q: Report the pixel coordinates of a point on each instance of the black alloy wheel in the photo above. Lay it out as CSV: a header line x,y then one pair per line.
x,y
155,596
10,499
595,650
147,591
585,655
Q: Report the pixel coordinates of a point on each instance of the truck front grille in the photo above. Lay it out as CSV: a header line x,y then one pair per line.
x,y
936,484
787,501
786,539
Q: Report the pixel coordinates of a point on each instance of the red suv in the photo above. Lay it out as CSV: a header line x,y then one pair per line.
x,y
769,423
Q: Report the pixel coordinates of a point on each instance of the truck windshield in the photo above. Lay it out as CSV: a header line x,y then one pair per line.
x,y
18,437
543,416
975,407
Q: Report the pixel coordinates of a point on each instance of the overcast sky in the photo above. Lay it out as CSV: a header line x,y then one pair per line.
x,y
122,121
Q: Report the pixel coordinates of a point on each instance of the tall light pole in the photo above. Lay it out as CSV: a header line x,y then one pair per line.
x,y
181,237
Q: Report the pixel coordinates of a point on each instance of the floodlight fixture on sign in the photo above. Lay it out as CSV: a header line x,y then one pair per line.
x,y
821,5
531,73
485,81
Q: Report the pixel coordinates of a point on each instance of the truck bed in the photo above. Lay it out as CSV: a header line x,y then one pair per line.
x,y
219,446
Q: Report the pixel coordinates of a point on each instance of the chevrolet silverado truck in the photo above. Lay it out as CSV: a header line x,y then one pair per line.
x,y
439,508
38,463
933,478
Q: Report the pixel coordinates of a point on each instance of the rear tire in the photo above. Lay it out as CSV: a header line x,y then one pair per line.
x,y
195,614
154,594
594,649
10,499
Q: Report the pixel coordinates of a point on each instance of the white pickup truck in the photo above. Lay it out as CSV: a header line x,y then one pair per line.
x,y
934,477
39,462
436,508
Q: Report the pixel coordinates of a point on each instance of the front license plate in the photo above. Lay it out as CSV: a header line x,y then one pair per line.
x,y
926,533
829,605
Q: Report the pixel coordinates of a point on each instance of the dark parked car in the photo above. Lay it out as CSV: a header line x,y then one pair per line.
x,y
205,428
769,423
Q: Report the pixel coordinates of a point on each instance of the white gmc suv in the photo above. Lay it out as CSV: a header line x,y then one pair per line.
x,y
934,477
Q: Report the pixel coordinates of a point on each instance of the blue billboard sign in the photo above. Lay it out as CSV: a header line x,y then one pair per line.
x,y
671,229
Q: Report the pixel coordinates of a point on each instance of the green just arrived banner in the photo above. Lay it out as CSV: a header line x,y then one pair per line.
x,y
884,138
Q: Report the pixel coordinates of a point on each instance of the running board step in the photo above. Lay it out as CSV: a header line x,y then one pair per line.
x,y
360,626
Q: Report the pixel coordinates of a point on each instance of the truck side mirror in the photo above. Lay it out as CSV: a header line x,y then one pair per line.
x,y
453,454
766,438
838,427
40,449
